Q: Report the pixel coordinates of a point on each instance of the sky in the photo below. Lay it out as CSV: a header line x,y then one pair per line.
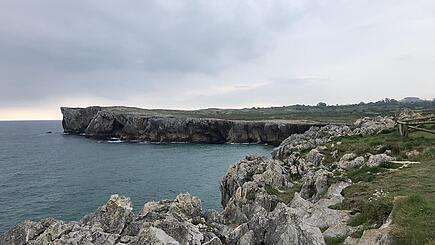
x,y
199,54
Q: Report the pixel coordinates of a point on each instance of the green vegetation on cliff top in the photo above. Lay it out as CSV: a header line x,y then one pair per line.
x,y
373,194
293,113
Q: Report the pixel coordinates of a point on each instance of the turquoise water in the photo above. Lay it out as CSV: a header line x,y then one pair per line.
x,y
66,176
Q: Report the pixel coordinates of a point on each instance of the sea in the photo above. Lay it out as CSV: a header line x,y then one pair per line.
x,y
46,173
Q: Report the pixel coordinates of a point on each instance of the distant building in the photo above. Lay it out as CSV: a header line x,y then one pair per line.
x,y
410,100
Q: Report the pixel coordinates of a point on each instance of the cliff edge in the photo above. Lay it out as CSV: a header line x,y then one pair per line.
x,y
129,123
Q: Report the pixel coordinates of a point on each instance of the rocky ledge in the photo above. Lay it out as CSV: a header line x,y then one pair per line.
x,y
145,125
284,200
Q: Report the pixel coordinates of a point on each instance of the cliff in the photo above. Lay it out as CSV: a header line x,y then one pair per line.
x,y
290,199
147,125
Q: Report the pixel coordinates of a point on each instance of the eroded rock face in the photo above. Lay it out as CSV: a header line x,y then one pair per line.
x,y
370,125
164,222
113,217
76,120
104,122
260,206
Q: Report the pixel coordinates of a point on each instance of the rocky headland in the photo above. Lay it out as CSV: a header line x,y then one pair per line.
x,y
287,199
146,125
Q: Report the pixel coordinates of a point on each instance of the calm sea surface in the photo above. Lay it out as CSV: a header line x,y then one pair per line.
x,y
66,177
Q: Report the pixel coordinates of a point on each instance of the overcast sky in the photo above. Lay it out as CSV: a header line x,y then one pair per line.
x,y
198,54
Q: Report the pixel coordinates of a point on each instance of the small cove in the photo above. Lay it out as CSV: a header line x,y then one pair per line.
x,y
65,176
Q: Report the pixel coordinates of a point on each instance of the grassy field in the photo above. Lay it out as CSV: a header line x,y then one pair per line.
x,y
294,113
372,195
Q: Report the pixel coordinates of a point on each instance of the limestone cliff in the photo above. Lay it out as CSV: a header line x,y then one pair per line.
x,y
146,125
285,200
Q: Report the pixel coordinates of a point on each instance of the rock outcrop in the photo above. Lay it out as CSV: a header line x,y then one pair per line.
x,y
107,122
284,200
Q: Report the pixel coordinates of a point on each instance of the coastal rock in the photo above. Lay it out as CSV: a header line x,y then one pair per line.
x,y
350,160
112,217
22,233
369,125
255,191
239,173
155,236
76,120
378,159
144,125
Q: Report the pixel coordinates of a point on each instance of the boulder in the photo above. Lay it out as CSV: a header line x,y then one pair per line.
x,y
350,160
112,217
378,159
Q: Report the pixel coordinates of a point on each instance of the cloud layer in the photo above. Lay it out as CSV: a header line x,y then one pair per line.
x,y
195,54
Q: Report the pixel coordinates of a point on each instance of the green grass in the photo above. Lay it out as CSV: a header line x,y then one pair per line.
x,y
293,113
413,217
284,194
196,221
414,220
334,240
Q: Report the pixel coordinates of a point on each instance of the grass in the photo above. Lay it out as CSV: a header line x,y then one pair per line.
x,y
284,194
293,113
414,220
334,240
414,216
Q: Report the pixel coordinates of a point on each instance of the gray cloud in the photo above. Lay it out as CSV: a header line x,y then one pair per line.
x,y
191,54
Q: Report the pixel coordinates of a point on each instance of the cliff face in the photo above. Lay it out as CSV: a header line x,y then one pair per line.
x,y
101,122
284,200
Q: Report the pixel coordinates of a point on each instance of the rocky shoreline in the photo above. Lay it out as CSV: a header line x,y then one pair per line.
x,y
134,124
283,200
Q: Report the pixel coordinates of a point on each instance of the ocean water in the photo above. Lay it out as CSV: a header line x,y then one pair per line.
x,y
65,176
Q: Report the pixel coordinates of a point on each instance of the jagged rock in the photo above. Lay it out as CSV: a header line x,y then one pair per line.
x,y
54,231
312,138
287,228
139,124
248,188
274,175
87,235
187,204
76,120
213,241
182,231
213,216
340,229
378,159
367,125
282,226
319,213
315,184
113,217
350,160
239,173
22,233
314,157
155,236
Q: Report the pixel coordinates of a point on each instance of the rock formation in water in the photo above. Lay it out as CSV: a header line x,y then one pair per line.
x,y
284,200
134,124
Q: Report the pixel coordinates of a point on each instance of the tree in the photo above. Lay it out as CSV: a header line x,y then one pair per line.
x,y
322,104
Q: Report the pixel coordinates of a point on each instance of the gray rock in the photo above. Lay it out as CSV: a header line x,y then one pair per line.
x,y
350,160
113,217
367,125
139,124
155,236
22,233
378,159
